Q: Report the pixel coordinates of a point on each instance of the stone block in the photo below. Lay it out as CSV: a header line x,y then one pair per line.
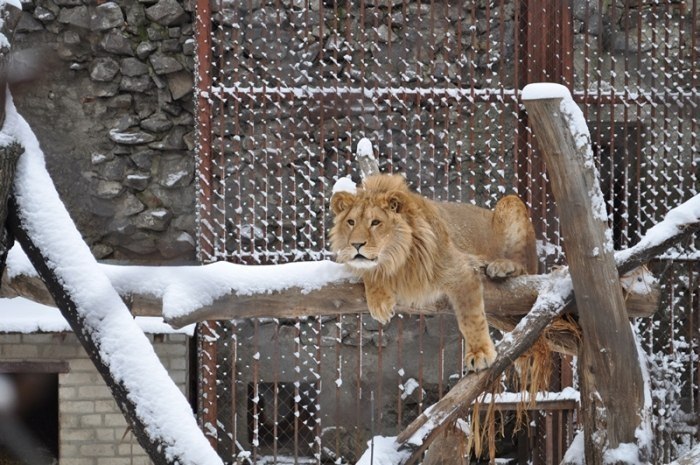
x,y
164,64
103,69
98,450
72,435
133,67
106,16
92,420
114,420
94,392
180,84
78,406
78,17
106,406
116,42
167,13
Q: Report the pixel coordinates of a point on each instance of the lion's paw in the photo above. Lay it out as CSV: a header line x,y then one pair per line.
x,y
381,306
504,268
480,358
382,313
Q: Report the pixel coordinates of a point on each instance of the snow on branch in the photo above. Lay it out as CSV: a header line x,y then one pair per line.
x,y
124,356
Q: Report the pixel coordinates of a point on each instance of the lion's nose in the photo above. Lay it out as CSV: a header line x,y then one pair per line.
x,y
357,245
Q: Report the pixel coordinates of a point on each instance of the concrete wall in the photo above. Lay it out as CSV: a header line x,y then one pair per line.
x,y
92,430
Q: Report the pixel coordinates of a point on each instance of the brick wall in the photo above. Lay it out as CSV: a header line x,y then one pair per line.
x,y
92,430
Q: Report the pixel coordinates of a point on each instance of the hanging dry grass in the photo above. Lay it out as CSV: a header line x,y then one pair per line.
x,y
530,374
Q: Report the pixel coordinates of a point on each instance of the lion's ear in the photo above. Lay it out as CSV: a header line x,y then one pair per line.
x,y
397,201
341,201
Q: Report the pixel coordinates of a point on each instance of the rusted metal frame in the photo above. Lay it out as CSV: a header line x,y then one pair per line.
x,y
276,387
339,378
255,438
358,374
207,408
203,86
233,379
297,369
449,96
502,107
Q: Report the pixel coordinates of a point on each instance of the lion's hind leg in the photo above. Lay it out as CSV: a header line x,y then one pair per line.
x,y
513,228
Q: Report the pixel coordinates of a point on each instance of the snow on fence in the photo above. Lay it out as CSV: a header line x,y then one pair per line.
x,y
286,90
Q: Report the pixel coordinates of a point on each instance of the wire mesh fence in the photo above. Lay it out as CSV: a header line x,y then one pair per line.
x,y
286,88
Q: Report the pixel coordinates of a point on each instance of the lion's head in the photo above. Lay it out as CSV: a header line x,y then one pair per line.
x,y
374,230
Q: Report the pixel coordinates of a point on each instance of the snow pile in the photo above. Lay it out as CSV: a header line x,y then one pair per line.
x,y
128,354
567,393
575,453
19,315
383,451
676,220
345,185
364,148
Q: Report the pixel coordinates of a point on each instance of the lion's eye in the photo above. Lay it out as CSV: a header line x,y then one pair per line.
x,y
351,222
376,222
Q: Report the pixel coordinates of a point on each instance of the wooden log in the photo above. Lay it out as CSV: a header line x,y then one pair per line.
x,y
612,389
506,303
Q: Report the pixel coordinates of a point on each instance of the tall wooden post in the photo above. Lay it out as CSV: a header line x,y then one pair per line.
x,y
612,390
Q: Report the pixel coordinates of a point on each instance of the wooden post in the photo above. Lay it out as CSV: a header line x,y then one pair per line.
x,y
609,372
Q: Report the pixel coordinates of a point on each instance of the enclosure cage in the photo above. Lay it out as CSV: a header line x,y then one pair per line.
x,y
286,88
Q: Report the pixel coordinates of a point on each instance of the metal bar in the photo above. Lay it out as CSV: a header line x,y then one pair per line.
x,y
203,84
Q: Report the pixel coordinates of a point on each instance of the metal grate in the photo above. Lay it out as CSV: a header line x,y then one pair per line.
x,y
285,90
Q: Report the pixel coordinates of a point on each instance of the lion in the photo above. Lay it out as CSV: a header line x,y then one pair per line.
x,y
413,251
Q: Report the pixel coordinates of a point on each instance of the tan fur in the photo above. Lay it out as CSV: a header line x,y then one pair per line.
x,y
411,250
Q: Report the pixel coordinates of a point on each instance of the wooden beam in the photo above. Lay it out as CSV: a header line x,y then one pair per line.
x,y
612,392
38,366
506,303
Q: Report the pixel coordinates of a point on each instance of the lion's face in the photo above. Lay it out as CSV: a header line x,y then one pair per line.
x,y
369,231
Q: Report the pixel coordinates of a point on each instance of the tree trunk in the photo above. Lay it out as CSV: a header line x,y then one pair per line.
x,y
610,377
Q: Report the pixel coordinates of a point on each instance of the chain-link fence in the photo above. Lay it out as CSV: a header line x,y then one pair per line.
x,y
286,88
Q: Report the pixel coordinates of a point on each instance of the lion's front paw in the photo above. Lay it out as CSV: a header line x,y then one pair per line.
x,y
504,268
381,306
480,358
382,313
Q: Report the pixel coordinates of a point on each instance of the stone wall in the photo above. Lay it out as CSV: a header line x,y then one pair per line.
x,y
109,95
92,430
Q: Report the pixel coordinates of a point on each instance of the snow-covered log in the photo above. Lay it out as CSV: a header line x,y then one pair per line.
x,y
610,377
159,415
188,294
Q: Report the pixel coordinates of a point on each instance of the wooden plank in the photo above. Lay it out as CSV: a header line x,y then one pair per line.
x,y
611,381
38,366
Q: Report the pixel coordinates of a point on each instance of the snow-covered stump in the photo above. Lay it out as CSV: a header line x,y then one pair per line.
x,y
612,394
